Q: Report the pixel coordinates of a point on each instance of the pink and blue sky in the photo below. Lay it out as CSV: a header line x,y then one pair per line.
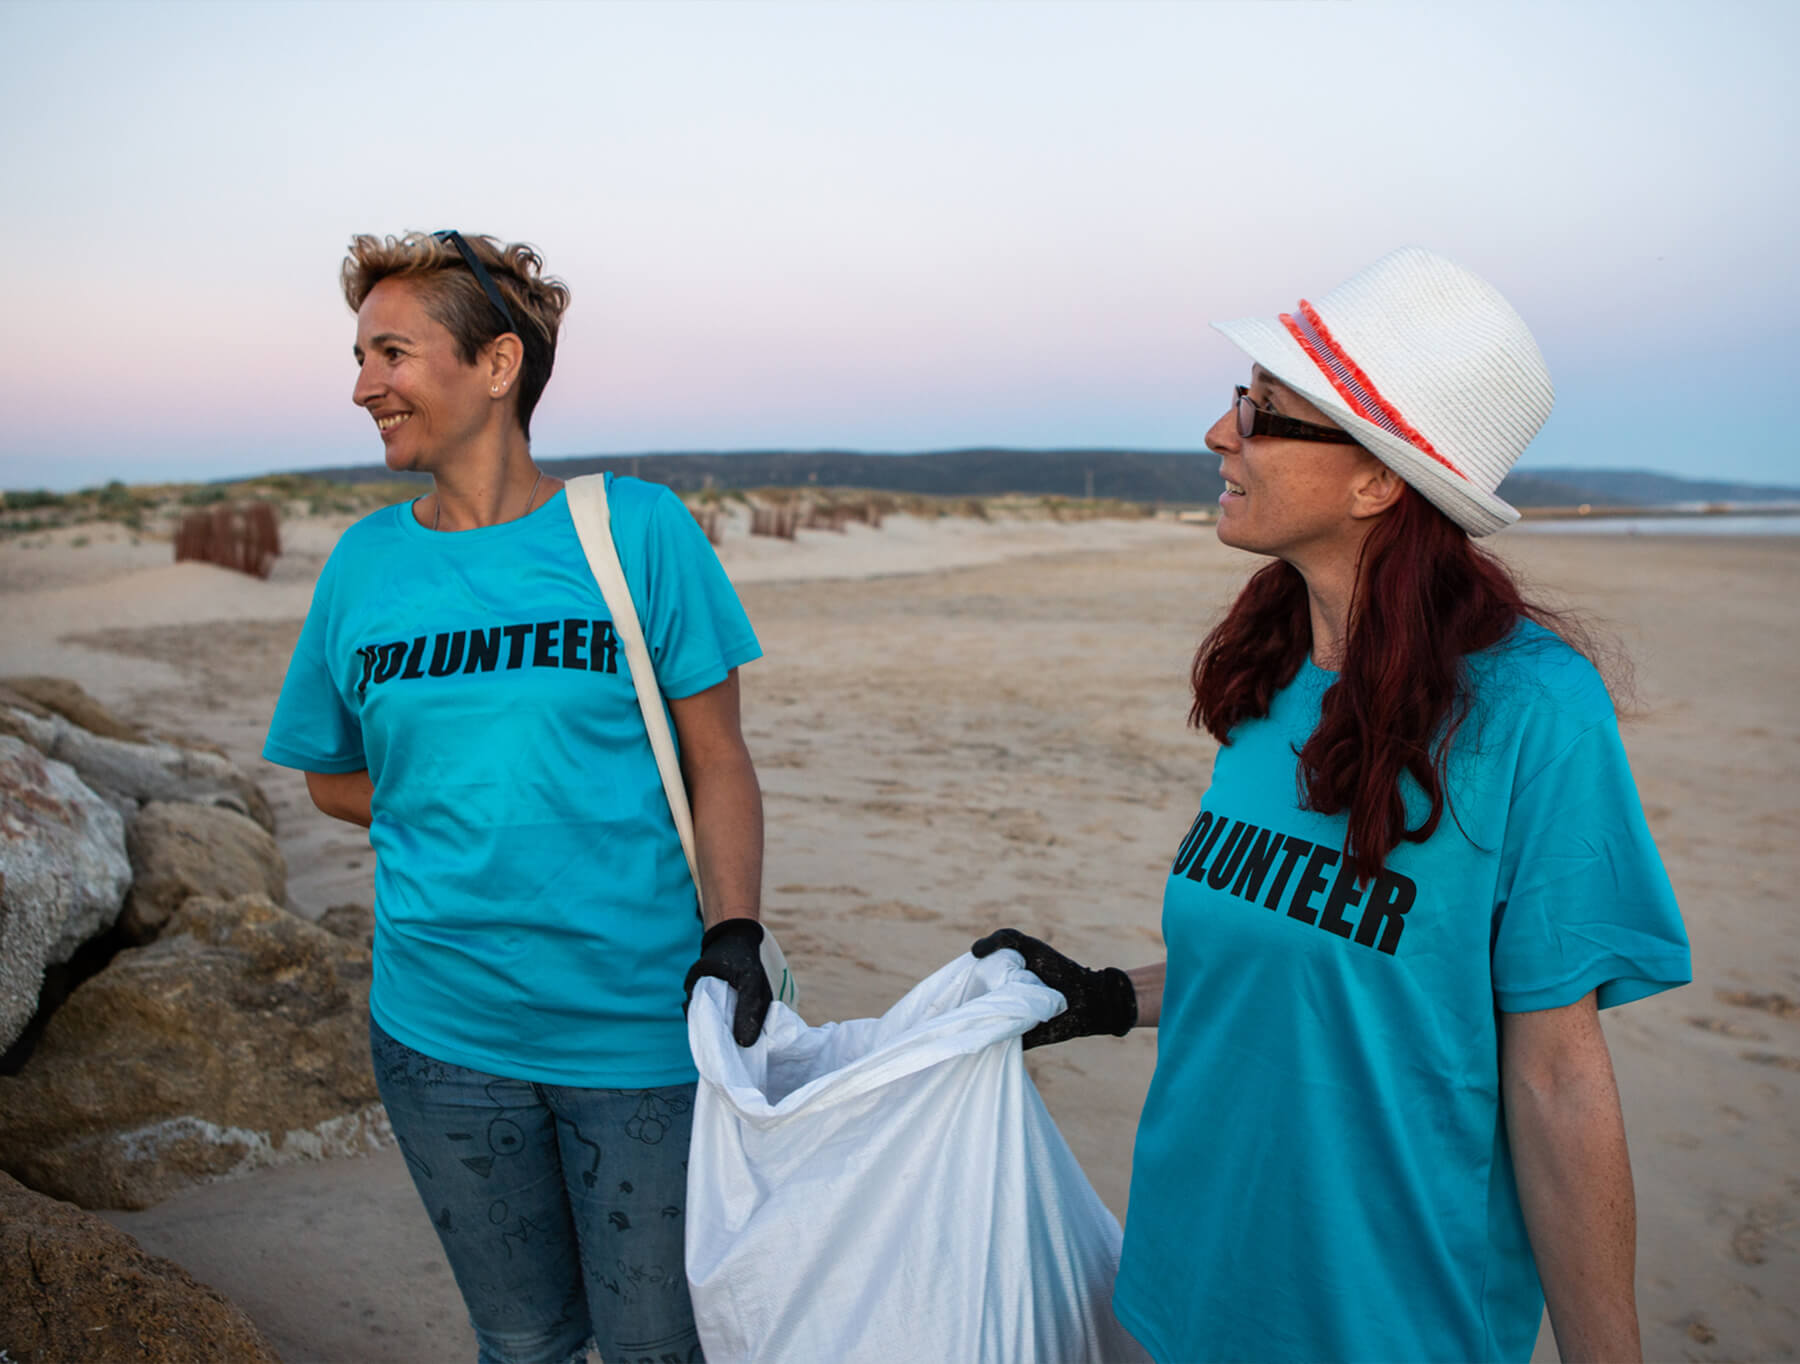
x,y
886,227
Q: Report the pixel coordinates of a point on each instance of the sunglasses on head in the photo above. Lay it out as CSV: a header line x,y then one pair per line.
x,y
1254,421
482,277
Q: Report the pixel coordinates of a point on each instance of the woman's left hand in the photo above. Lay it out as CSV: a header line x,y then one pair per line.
x,y
731,951
727,804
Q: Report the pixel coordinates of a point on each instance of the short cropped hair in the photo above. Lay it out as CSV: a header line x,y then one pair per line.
x,y
455,300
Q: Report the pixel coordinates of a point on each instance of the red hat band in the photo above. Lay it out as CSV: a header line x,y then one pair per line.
x,y
1357,390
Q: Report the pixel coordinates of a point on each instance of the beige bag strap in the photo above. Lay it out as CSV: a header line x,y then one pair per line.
x,y
593,524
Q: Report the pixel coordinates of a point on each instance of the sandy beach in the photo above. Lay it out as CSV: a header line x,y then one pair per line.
x,y
960,724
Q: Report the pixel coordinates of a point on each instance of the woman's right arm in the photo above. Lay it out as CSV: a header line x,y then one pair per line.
x,y
342,795
1110,1000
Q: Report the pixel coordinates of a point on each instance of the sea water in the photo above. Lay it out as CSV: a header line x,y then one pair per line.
x,y
1785,521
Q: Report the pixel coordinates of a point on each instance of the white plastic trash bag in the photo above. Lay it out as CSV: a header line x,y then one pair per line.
x,y
893,1188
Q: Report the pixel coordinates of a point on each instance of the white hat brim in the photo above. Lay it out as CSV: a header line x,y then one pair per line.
x,y
1268,343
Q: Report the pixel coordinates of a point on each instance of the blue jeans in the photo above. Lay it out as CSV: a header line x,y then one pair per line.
x,y
561,1210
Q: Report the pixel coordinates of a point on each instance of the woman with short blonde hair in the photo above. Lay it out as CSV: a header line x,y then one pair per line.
x,y
459,690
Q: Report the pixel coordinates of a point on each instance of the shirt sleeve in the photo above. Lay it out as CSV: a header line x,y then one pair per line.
x,y
694,624
312,729
1585,902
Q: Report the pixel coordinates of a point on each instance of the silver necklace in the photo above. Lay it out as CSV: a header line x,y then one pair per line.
x,y
437,508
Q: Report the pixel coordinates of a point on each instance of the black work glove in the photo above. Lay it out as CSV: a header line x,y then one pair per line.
x,y
732,951
1099,1001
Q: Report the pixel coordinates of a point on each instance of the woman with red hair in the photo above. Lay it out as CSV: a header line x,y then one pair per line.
x,y
1383,1123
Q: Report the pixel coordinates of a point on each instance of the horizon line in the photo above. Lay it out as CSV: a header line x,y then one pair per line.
x,y
323,470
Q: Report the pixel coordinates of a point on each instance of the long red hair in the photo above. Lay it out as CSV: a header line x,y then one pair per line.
x,y
1426,595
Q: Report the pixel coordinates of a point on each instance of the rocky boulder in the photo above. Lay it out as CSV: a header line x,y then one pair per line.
x,y
237,1039
131,773
64,874
60,696
78,1289
179,851
23,718
356,922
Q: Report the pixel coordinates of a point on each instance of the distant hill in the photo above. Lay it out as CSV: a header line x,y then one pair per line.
x,y
1133,475
1640,488
1129,475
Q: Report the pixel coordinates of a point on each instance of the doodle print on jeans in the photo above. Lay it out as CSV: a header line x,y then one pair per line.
x,y
648,1125
430,1074
502,1138
653,1118
591,1175
522,1182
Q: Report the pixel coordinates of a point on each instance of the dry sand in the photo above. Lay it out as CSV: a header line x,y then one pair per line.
x,y
962,724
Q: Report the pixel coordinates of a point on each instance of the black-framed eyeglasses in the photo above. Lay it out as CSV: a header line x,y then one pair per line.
x,y
482,277
1254,421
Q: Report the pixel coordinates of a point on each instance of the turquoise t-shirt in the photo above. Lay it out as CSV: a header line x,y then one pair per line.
x,y
534,914
1322,1169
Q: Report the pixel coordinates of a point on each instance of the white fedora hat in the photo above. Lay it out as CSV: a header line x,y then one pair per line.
x,y
1427,366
